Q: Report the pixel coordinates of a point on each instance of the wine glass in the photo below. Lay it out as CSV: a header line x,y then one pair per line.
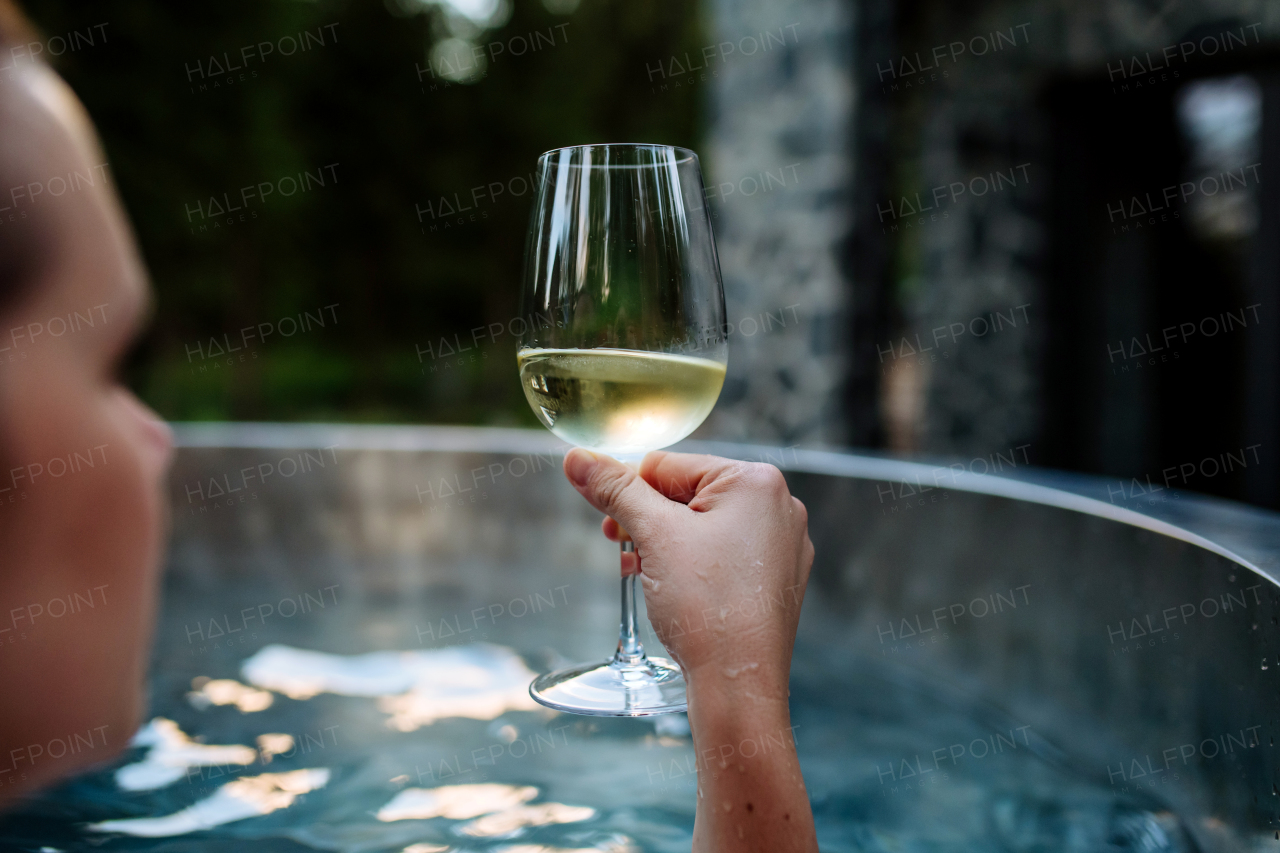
x,y
624,352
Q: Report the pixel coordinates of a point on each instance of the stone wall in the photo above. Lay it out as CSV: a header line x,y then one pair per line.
x,y
778,153
958,190
975,260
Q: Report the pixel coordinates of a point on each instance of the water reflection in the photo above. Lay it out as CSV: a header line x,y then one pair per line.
x,y
502,810
512,821
609,847
171,753
274,744
581,796
416,688
244,798
455,802
227,691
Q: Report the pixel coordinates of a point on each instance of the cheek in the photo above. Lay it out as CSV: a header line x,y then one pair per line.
x,y
88,462
98,502
91,524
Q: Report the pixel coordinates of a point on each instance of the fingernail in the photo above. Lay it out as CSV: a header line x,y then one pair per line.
x,y
579,464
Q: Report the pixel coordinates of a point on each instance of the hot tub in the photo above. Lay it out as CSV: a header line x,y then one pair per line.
x,y
991,657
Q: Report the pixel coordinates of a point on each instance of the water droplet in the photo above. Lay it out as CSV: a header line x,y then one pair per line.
x,y
732,672
1264,663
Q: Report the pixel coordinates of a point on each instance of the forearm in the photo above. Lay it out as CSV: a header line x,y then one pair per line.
x,y
751,794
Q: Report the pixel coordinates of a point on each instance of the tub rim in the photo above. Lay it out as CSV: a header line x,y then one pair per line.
x,y
1246,535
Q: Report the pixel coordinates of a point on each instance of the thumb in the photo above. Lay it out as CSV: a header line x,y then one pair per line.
x,y
616,490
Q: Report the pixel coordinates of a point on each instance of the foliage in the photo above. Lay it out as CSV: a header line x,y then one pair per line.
x,y
184,141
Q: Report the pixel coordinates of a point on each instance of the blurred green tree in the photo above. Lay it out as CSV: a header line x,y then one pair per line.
x,y
288,164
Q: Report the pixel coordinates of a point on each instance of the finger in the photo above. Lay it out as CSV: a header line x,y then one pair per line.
x,y
613,531
682,476
630,563
617,491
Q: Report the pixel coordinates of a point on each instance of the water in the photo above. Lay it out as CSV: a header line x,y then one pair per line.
x,y
281,747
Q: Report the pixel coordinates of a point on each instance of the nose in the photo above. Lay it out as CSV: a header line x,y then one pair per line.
x,y
159,433
156,433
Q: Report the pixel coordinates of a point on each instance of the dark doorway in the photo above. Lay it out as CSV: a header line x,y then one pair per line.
x,y
1161,283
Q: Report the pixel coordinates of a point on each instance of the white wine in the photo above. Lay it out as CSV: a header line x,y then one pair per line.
x,y
619,401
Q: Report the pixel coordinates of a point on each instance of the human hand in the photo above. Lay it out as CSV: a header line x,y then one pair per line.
x,y
724,556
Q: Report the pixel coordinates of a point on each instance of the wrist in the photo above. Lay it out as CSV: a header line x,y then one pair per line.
x,y
749,776
756,742
735,705
736,684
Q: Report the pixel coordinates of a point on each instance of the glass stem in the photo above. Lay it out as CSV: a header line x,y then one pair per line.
x,y
630,650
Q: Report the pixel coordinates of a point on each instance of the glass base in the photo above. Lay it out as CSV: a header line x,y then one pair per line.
x,y
612,688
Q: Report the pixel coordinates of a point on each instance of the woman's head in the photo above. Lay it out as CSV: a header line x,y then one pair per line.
x,y
82,461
